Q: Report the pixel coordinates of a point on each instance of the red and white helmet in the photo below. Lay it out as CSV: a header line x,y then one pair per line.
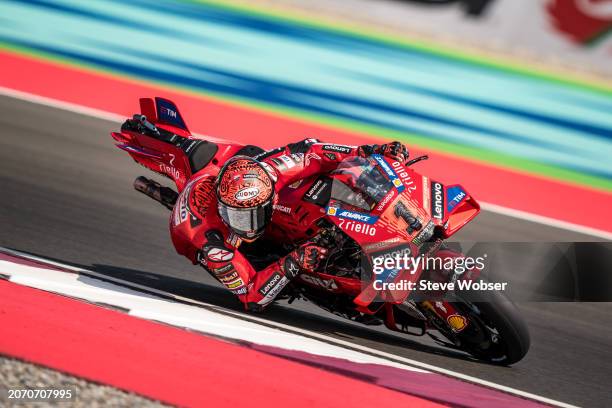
x,y
245,192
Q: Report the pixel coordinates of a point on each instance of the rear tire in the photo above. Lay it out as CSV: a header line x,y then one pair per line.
x,y
497,332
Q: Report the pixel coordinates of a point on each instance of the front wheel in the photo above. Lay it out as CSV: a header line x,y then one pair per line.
x,y
497,333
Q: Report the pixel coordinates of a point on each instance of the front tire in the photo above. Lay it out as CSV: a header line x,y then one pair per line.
x,y
497,332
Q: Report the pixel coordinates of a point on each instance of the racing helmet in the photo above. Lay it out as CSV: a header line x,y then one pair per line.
x,y
245,193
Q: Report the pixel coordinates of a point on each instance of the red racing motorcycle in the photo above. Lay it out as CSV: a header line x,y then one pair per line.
x,y
369,212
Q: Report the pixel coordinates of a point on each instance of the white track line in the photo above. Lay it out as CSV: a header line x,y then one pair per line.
x,y
310,334
193,317
59,104
113,117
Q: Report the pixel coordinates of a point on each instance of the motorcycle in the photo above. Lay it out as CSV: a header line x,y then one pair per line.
x,y
366,211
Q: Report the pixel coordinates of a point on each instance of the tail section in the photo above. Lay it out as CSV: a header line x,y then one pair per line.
x,y
159,140
164,112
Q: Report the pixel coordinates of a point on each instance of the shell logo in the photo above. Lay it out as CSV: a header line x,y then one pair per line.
x,y
457,322
246,193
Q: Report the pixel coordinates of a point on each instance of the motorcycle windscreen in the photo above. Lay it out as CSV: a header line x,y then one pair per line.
x,y
361,194
359,183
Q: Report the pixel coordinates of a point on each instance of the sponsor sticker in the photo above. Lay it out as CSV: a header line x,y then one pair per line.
x,y
330,156
386,200
235,284
270,283
282,208
225,269
288,161
454,195
337,148
382,244
397,183
189,144
241,291
319,192
358,227
233,240
404,176
169,170
246,193
168,113
291,267
437,200
297,157
351,215
229,277
424,234
272,290
180,212
457,322
219,255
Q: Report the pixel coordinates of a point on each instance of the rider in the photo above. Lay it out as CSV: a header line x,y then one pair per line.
x,y
215,213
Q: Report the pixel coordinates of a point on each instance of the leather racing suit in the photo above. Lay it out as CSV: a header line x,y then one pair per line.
x,y
199,233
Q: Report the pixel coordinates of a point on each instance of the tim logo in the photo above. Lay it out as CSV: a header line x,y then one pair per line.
x,y
169,112
585,22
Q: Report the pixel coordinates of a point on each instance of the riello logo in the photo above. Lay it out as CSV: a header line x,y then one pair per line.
x,y
358,227
404,176
170,170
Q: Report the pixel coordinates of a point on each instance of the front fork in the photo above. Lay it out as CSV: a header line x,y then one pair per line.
x,y
440,314
447,312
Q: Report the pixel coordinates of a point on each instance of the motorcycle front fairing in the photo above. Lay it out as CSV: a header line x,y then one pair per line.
x,y
390,211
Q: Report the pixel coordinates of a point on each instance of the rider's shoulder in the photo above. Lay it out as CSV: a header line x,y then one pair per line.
x,y
200,194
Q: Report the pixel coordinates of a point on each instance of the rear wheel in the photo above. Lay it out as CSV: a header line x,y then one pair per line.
x,y
496,333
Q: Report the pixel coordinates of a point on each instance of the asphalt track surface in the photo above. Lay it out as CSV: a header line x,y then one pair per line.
x,y
66,194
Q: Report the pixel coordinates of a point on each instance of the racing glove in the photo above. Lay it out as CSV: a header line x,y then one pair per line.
x,y
394,150
305,258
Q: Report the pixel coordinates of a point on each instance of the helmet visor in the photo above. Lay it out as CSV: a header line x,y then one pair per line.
x,y
246,222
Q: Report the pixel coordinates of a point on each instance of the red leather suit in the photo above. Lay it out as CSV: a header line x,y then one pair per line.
x,y
198,232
